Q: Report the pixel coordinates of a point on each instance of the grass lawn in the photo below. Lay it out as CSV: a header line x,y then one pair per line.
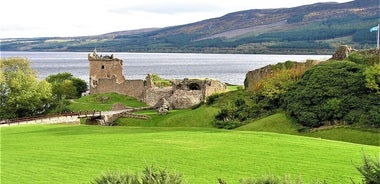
x,y
79,153
279,123
95,102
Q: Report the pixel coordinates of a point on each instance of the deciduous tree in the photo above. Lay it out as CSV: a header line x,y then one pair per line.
x,y
21,93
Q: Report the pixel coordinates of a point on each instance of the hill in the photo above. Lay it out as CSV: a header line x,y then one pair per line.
x,y
316,28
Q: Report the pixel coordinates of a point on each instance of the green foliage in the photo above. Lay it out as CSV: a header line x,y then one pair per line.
x,y
21,94
150,175
160,82
239,106
370,170
160,176
116,178
372,78
65,86
270,179
330,93
364,58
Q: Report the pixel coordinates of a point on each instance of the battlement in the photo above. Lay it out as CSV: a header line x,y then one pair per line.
x,y
95,57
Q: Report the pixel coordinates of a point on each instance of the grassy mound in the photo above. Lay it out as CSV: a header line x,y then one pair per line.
x,y
103,102
77,154
200,117
279,123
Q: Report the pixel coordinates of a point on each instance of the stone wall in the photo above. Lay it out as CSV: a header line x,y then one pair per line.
x,y
106,75
134,88
252,78
155,94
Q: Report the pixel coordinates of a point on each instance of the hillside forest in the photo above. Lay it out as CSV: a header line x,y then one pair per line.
x,y
310,29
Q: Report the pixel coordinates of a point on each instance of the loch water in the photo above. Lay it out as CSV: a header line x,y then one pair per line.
x,y
229,68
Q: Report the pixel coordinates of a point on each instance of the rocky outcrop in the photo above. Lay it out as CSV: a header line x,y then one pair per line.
x,y
341,52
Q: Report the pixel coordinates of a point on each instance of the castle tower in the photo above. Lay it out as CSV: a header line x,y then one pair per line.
x,y
104,67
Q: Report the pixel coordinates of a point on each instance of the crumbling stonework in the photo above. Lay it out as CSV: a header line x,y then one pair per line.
x,y
162,107
106,75
252,78
342,52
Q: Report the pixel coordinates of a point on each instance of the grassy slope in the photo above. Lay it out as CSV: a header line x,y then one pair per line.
x,y
78,153
279,123
200,117
93,102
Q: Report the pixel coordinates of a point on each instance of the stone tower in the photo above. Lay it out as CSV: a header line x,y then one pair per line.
x,y
104,67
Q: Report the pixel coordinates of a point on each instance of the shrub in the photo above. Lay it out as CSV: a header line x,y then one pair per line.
x,y
116,178
333,92
212,98
150,175
160,176
370,170
272,180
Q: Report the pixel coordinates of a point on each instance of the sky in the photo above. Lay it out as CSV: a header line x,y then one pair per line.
x,y
63,18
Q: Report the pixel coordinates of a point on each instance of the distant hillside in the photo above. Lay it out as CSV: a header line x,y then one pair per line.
x,y
317,28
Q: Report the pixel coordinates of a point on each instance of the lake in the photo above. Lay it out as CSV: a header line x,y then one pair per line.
x,y
230,68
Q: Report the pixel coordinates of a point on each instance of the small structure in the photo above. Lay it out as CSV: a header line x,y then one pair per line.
x,y
106,75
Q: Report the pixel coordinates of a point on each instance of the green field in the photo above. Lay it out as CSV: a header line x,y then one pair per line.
x,y
79,153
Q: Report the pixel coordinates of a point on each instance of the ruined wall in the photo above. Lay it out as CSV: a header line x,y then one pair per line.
x,y
184,99
134,88
106,76
214,86
252,78
188,92
155,94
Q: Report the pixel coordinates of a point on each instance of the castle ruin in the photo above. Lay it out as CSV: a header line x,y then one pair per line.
x,y
106,75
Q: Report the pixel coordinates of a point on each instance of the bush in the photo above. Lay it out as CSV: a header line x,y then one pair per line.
x,y
210,100
333,92
272,180
150,175
370,170
116,177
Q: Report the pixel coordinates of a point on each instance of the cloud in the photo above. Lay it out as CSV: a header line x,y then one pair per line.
x,y
169,8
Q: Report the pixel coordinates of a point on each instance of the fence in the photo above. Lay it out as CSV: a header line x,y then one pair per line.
x,y
26,120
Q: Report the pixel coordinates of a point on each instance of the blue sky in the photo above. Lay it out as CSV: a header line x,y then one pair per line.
x,y
40,18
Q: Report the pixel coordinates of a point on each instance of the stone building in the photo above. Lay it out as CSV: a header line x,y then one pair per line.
x,y
106,75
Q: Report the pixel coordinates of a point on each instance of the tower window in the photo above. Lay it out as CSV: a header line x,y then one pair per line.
x,y
102,66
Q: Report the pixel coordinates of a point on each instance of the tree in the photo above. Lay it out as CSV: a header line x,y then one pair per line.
x,y
66,86
333,92
21,93
372,78
370,170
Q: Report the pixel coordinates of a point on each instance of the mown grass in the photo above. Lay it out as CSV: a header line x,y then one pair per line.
x,y
95,102
79,153
279,123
